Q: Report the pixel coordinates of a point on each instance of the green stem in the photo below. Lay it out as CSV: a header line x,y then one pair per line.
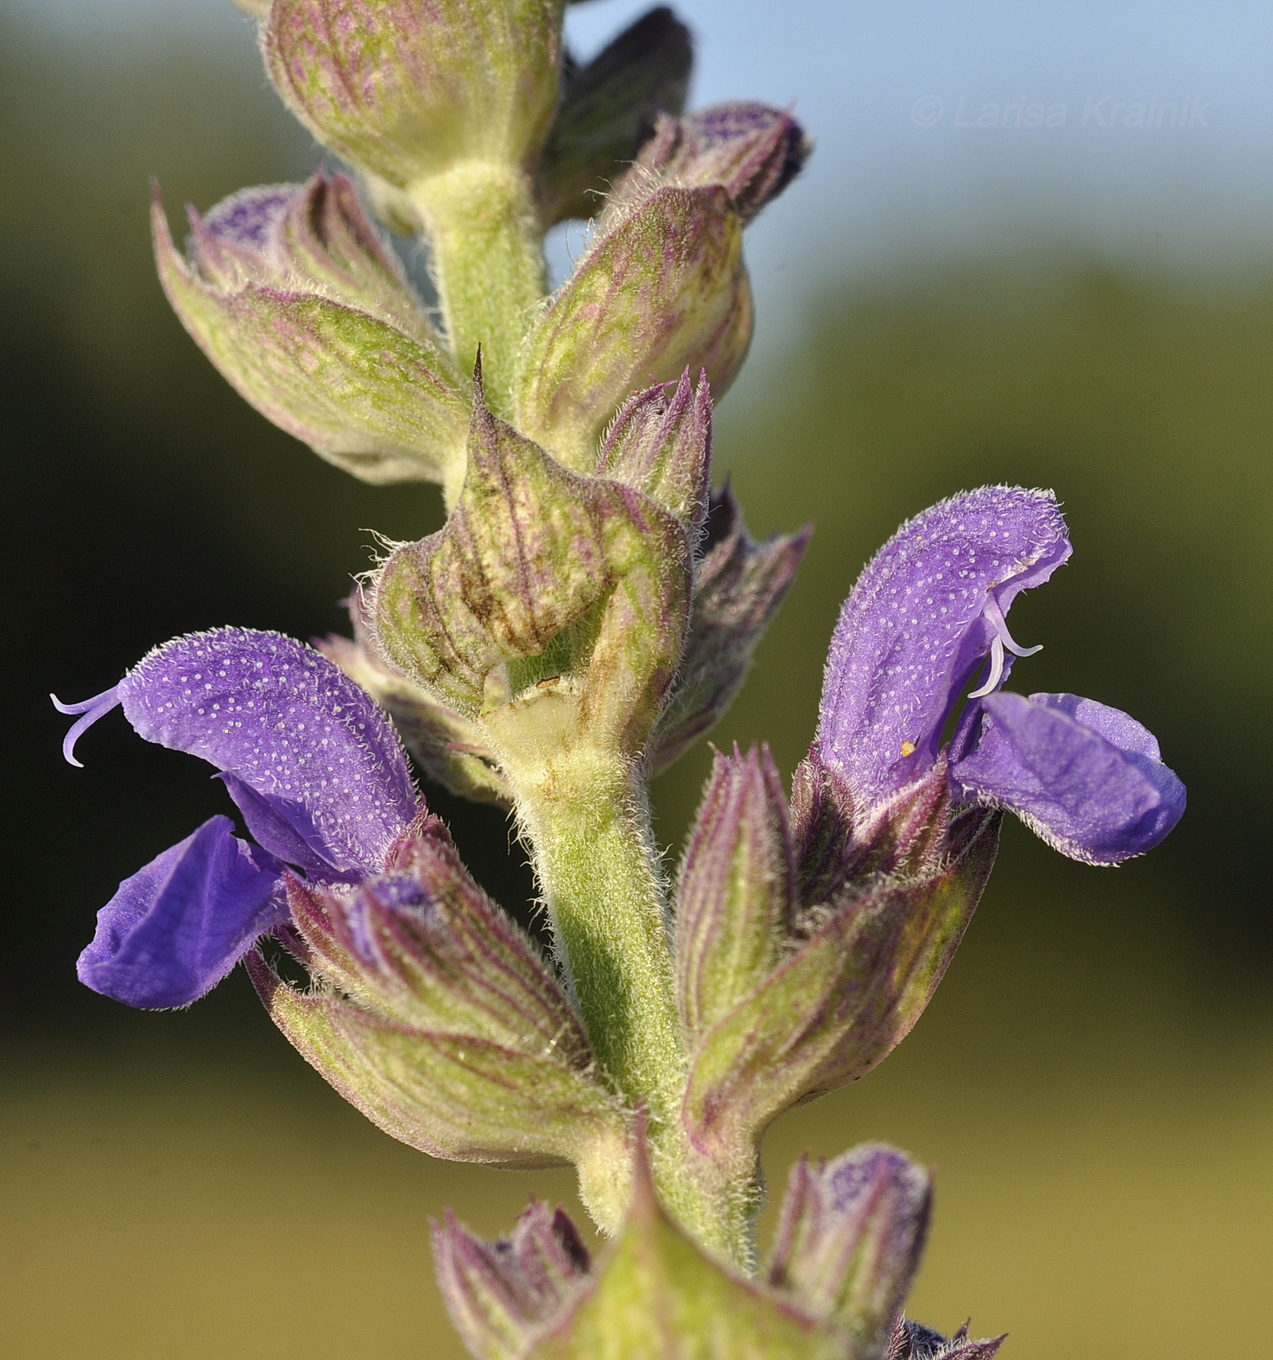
x,y
588,825
586,815
488,262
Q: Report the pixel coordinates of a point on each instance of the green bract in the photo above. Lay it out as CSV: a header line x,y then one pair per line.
x,y
576,588
735,905
658,1297
663,289
849,992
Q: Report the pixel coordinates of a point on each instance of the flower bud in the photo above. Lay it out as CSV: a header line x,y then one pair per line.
x,y
846,995
912,1341
822,829
752,150
655,1294
849,1240
315,235
662,289
661,443
738,586
736,898
501,1295
530,550
432,1013
607,110
296,299
406,90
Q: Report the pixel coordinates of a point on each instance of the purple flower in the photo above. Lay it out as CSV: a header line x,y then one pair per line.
x,y
315,770
926,615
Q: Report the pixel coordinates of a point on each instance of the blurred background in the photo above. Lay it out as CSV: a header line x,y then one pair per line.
x,y
950,296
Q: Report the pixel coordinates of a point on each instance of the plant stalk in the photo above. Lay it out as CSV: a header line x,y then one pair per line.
x,y
586,817
488,265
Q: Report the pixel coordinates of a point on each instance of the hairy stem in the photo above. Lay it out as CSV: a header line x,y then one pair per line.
x,y
488,263
586,816
587,821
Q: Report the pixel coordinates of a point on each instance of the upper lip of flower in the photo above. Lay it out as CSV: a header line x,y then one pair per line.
x,y
314,767
925,613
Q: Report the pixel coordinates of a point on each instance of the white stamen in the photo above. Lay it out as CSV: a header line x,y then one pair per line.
x,y
1001,640
995,615
996,669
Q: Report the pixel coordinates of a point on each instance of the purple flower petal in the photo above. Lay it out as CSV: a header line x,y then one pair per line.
x,y
291,727
250,218
177,927
1084,777
924,613
239,240
282,827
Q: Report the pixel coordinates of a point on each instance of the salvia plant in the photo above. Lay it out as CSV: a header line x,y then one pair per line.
x,y
587,612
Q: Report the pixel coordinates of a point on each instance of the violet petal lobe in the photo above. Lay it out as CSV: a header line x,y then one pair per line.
x,y
1083,776
924,613
288,724
280,827
234,240
177,927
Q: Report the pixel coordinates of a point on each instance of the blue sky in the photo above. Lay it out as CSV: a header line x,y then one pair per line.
x,y
921,112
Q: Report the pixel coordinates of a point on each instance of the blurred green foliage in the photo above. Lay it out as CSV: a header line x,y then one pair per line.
x,y
1093,1078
